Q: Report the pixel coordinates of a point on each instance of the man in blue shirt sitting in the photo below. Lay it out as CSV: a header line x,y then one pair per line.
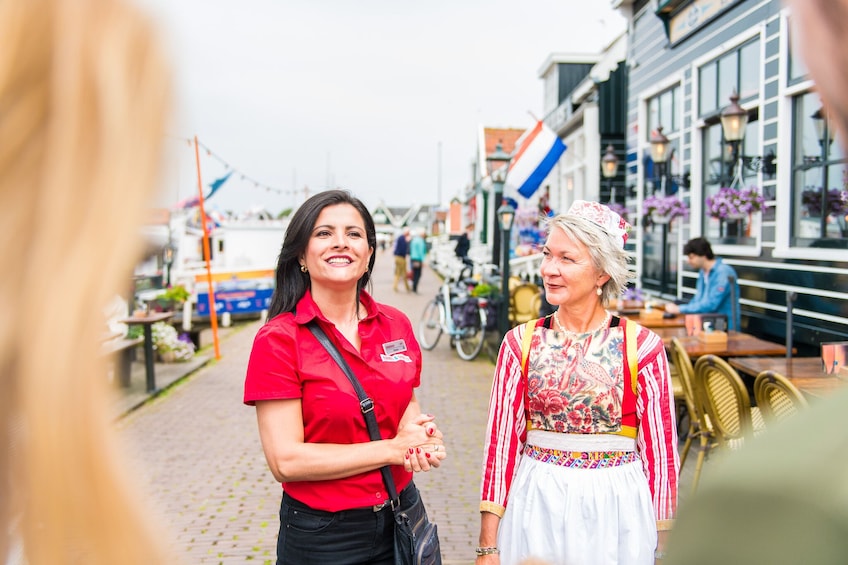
x,y
717,287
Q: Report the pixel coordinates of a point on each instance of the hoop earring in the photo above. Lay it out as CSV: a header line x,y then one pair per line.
x,y
598,291
303,268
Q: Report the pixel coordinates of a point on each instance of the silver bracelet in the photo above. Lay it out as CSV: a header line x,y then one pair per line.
x,y
480,551
659,554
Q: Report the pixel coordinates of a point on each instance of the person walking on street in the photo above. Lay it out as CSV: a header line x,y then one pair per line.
x,y
417,254
716,288
580,461
401,251
335,506
463,245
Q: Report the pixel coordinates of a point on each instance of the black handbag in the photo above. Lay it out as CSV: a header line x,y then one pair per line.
x,y
416,537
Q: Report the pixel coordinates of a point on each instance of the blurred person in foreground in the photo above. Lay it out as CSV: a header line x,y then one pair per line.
x,y
84,92
335,506
782,499
716,286
580,459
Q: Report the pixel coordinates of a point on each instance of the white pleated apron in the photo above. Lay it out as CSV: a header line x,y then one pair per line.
x,y
567,516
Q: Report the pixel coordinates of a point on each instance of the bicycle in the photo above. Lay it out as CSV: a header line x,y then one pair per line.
x,y
457,313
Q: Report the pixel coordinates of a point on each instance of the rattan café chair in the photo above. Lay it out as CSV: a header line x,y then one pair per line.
x,y
699,423
726,401
525,300
777,397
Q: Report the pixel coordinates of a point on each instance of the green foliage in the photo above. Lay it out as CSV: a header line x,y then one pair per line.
x,y
177,294
484,289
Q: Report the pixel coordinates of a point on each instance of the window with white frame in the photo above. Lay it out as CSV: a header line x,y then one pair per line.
x,y
664,112
819,177
726,165
737,70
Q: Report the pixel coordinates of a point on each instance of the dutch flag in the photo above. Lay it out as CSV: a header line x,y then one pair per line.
x,y
538,151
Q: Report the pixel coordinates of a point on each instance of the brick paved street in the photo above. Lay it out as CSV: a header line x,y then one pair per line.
x,y
198,448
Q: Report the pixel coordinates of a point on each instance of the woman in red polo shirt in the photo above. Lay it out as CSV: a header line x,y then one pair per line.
x,y
312,429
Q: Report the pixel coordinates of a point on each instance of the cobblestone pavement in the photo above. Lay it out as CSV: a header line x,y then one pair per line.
x,y
197,447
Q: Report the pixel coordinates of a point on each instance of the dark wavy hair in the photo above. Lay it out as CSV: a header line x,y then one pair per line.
x,y
700,247
291,283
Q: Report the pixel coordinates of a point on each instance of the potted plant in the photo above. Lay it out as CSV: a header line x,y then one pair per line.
x,y
734,203
631,298
172,297
663,209
170,346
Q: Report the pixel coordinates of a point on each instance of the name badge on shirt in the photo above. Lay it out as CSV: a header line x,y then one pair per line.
x,y
395,358
393,347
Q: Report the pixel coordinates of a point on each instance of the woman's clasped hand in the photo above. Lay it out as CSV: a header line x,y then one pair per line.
x,y
424,448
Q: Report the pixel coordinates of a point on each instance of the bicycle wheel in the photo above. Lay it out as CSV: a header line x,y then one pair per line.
x,y
469,340
430,326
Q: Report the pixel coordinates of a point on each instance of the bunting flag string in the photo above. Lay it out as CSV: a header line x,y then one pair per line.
x,y
236,173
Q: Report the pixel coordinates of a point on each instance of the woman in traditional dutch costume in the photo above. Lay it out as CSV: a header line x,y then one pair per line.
x,y
580,462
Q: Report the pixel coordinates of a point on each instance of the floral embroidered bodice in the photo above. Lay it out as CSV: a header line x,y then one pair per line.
x,y
576,384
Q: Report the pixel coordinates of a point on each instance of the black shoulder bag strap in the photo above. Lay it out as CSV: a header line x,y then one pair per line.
x,y
365,403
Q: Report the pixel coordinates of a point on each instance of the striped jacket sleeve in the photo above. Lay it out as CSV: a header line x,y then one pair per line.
x,y
656,438
506,430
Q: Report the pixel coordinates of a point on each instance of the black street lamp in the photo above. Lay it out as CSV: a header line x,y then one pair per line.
x,y
609,168
734,118
825,132
659,155
506,215
168,260
499,163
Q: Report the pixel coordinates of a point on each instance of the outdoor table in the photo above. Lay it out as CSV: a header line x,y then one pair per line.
x,y
678,321
738,344
148,321
806,373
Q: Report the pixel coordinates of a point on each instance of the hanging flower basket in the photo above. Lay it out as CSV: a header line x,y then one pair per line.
x,y
735,203
663,209
837,202
618,209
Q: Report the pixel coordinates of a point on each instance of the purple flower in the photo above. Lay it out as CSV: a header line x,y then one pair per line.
x,y
618,209
632,293
670,206
734,202
837,201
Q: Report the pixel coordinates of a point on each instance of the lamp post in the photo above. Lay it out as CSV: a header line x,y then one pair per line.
x,y
609,167
498,164
168,260
506,215
825,133
659,155
734,118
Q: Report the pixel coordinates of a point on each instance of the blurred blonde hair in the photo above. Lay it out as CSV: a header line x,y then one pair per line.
x,y
83,98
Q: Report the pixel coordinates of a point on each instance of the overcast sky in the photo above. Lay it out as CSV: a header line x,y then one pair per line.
x,y
384,98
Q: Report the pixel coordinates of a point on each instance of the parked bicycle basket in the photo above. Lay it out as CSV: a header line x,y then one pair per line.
x,y
492,314
464,312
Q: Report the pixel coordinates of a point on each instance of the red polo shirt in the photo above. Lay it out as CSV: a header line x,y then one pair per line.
x,y
288,362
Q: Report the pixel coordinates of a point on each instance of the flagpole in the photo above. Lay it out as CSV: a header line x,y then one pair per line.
x,y
213,316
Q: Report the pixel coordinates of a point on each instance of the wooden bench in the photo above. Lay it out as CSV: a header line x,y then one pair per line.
x,y
121,348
